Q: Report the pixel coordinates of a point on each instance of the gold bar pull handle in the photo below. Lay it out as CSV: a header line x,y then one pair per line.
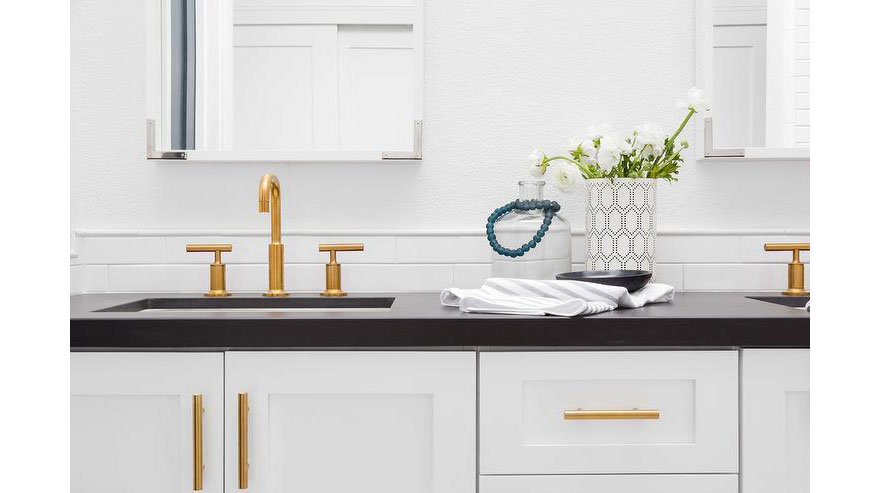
x,y
611,414
198,443
242,440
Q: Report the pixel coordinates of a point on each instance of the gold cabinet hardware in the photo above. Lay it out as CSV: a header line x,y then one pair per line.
x,y
242,441
270,188
795,267
218,268
198,443
333,268
611,414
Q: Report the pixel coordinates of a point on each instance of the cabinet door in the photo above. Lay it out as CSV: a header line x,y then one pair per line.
x,y
776,421
352,421
132,422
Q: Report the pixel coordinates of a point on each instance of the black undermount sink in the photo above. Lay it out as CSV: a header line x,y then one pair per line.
x,y
255,303
793,301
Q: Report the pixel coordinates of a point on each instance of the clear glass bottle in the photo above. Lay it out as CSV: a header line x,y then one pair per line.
x,y
552,255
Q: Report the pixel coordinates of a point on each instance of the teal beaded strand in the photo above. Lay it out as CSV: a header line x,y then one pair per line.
x,y
550,209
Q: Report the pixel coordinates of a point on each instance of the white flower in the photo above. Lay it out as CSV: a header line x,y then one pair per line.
x,y
650,136
609,150
536,163
697,100
564,176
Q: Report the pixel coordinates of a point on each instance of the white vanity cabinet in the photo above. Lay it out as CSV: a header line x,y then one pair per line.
x,y
775,420
365,421
723,421
133,422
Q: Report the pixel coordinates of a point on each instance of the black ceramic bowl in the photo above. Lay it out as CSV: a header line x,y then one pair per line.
x,y
632,280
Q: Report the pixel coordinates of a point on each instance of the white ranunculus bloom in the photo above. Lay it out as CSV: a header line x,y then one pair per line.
x,y
564,176
697,100
609,150
651,137
536,163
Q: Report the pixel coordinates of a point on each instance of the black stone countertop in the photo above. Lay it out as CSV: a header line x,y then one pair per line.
x,y
418,321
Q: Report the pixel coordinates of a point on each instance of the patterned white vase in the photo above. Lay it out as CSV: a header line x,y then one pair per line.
x,y
621,223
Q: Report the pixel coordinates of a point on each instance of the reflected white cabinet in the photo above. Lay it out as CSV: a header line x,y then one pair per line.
x,y
776,420
132,422
362,421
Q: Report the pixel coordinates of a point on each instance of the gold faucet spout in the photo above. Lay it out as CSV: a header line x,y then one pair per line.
x,y
270,201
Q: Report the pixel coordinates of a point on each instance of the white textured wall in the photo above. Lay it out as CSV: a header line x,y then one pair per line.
x,y
501,77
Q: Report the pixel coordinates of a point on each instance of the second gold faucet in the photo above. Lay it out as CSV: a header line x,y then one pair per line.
x,y
270,200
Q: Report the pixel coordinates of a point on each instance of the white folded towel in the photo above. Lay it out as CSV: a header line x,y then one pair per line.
x,y
563,298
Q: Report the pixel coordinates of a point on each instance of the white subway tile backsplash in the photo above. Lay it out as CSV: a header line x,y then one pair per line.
x,y
672,274
753,249
122,250
802,117
152,278
802,101
692,248
245,249
427,262
470,275
802,68
94,278
802,51
76,279
802,17
734,277
397,277
442,249
304,249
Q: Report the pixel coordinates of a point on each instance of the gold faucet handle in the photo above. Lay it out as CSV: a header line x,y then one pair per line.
x,y
218,268
794,248
795,267
333,268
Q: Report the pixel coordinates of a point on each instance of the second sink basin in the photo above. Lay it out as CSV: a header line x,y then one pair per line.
x,y
793,301
255,304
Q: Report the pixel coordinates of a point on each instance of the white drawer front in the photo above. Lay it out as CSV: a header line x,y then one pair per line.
x,y
524,396
654,483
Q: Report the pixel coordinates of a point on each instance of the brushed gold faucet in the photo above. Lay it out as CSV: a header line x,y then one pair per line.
x,y
795,267
269,187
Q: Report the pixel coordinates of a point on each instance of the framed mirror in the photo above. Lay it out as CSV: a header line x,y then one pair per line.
x,y
753,59
284,80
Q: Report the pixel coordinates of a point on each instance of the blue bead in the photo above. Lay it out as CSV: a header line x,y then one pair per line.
x,y
540,233
533,244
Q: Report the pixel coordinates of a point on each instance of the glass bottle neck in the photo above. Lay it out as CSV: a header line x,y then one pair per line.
x,y
531,190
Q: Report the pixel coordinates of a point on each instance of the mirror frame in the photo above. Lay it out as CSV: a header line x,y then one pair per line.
x,y
158,97
704,68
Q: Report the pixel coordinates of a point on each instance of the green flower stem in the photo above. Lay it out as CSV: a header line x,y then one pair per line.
x,y
683,124
572,161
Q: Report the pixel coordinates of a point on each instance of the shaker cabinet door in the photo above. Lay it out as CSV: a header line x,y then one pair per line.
x,y
134,422
365,421
776,420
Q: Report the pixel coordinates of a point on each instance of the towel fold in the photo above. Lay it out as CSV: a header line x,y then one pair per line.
x,y
562,298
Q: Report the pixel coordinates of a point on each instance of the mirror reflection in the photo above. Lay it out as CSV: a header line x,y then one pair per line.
x,y
760,73
289,75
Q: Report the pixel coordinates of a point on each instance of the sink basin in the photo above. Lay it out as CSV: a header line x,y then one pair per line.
x,y
794,301
254,304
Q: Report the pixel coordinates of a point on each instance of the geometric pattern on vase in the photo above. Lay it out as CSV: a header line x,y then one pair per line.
x,y
621,229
